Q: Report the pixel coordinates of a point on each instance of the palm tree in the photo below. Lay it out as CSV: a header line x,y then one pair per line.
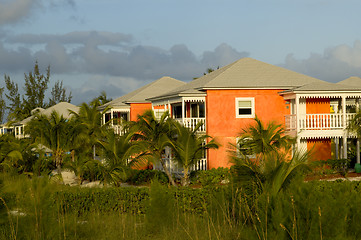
x,y
261,139
189,148
274,165
89,129
154,135
10,153
270,175
52,132
119,154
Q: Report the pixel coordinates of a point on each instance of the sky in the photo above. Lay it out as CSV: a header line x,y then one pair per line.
x,y
117,46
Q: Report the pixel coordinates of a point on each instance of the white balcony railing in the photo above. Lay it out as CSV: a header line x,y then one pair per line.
x,y
118,129
173,167
321,121
192,123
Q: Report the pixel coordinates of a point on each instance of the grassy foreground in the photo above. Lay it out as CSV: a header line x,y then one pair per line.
x,y
314,210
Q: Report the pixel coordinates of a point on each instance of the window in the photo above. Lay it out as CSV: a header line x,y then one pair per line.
x,y
158,113
245,108
197,110
177,111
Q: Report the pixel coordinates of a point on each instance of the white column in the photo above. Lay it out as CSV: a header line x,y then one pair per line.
x,y
297,112
183,112
343,112
358,150
344,145
337,147
358,139
111,117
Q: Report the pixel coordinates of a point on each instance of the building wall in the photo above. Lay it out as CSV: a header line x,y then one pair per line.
x,y
138,109
222,124
317,105
320,148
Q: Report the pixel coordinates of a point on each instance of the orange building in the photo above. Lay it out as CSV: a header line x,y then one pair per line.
x,y
227,100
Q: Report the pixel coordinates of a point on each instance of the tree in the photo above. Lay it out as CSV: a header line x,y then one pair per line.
x,y
260,139
90,130
189,147
265,162
10,153
52,132
119,154
35,87
2,105
14,108
155,135
209,70
100,100
58,94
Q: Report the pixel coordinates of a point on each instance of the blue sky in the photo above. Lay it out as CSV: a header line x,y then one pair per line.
x,y
120,45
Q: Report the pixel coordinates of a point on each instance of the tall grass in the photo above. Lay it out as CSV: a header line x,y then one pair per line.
x,y
314,210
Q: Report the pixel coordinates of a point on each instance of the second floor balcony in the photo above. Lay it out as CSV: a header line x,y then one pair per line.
x,y
321,121
192,123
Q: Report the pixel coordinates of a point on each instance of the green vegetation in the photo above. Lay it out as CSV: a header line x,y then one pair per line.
x,y
262,196
40,209
35,86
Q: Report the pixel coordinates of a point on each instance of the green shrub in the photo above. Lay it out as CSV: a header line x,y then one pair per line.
x,y
141,177
339,165
212,176
84,200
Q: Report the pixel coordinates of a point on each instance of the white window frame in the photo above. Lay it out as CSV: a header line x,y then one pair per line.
x,y
252,115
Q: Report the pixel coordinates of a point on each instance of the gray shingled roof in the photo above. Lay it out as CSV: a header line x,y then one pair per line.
x,y
62,108
140,95
324,86
246,73
351,81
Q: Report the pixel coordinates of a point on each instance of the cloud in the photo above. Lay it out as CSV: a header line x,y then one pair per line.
x,y
113,86
222,55
111,54
13,11
16,10
335,64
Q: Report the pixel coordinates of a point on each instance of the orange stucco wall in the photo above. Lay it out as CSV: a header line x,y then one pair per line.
x,y
317,105
223,125
320,149
138,109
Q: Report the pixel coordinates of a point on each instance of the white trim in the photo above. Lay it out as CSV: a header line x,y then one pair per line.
x,y
252,115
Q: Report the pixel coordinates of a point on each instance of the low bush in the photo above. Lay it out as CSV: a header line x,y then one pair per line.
x,y
340,166
211,177
141,177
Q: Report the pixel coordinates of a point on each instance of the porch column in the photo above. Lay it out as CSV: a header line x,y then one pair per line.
x,y
297,112
111,117
344,146
358,139
358,150
183,112
337,147
344,112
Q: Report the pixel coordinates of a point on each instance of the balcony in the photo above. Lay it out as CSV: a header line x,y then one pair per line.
x,y
322,121
192,123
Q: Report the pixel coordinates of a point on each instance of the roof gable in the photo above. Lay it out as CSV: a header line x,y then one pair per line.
x,y
351,81
248,73
140,95
61,108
